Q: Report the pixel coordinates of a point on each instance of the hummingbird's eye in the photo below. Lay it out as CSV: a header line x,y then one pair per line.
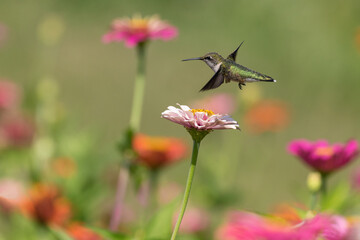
x,y
209,57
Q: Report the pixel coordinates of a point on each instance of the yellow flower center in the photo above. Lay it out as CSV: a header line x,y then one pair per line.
x,y
139,23
324,151
208,112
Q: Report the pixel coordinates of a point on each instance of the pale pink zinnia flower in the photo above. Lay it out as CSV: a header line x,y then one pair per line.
x,y
137,30
199,119
322,156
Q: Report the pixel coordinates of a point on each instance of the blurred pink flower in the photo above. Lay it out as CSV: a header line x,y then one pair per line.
x,y
3,34
199,119
322,156
220,103
9,94
11,193
195,220
16,131
137,30
247,226
168,192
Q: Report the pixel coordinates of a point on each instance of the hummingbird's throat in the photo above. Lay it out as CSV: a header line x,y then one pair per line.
x,y
208,112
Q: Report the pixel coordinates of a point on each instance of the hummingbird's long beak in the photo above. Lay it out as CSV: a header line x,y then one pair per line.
x,y
198,58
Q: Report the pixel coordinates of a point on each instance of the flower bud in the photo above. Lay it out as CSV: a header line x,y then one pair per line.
x,y
314,181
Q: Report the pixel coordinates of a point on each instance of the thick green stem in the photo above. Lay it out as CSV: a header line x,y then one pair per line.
x,y
323,189
138,89
185,200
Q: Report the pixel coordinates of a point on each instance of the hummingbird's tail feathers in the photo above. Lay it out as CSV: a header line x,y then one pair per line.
x,y
267,80
214,82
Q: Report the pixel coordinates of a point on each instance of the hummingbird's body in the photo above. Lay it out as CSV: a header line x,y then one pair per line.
x,y
227,70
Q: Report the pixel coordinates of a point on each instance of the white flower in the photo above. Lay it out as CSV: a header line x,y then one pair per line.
x,y
199,119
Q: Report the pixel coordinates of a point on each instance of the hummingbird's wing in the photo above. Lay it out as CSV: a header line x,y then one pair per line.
x,y
215,81
232,56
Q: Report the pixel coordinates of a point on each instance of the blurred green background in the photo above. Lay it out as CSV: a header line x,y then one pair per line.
x,y
308,46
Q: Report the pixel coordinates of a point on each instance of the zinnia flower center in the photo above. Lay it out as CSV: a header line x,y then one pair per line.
x,y
208,112
139,23
324,151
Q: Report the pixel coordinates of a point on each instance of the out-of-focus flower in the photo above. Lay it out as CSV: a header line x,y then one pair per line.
x,y
156,152
354,231
16,131
199,119
288,213
79,232
247,226
11,193
51,29
3,34
267,116
314,181
220,103
10,94
195,220
63,166
45,204
138,30
322,156
168,192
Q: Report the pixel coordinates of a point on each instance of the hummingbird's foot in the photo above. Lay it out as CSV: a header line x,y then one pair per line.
x,y
241,84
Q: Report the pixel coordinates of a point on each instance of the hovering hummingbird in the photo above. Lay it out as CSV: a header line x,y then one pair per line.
x,y
227,70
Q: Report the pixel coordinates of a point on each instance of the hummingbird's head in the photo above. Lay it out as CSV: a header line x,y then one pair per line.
x,y
213,60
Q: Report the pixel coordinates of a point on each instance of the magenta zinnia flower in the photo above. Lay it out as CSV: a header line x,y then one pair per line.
x,y
199,119
248,226
137,29
322,156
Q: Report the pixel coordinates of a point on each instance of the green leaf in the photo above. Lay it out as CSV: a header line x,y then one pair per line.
x,y
59,233
160,225
336,199
108,235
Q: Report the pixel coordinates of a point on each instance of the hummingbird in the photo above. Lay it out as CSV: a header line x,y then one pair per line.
x,y
226,70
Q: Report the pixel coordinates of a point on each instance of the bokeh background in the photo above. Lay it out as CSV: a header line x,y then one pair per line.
x,y
312,48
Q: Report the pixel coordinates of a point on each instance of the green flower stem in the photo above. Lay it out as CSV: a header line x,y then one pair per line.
x,y
139,88
135,117
194,157
323,189
313,202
